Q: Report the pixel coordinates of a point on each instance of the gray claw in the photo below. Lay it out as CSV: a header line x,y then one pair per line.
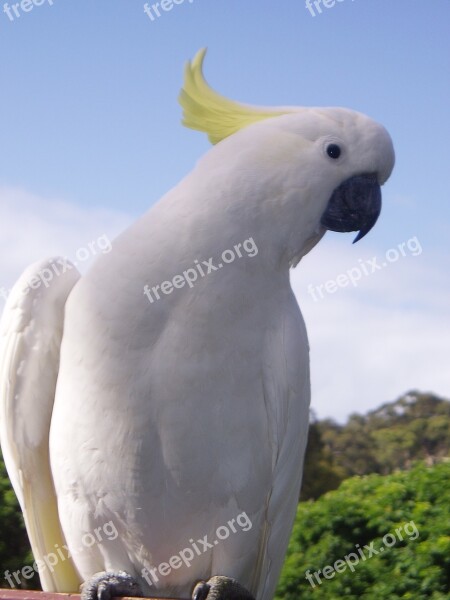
x,y
107,584
220,588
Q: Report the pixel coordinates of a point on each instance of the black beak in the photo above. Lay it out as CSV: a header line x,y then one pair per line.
x,y
354,206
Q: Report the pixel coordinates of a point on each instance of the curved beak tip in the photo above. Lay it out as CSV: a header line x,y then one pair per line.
x,y
355,205
359,237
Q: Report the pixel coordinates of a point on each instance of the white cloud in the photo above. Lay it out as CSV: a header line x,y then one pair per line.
x,y
385,336
32,228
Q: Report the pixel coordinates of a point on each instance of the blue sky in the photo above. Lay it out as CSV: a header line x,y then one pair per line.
x,y
91,138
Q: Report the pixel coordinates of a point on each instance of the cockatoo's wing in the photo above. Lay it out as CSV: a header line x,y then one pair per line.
x,y
286,388
30,336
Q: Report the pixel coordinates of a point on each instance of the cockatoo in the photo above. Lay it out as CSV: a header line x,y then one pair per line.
x,y
166,392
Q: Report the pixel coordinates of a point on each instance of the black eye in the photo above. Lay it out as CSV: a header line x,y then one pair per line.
x,y
333,151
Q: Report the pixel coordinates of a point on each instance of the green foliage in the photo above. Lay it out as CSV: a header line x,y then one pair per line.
x,y
15,550
415,427
320,473
361,511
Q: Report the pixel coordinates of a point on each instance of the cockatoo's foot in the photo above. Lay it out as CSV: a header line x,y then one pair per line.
x,y
220,588
106,585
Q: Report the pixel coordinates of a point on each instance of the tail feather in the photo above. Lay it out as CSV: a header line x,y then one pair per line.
x,y
31,330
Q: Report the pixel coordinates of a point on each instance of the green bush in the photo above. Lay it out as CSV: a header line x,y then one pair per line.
x,y
15,550
362,511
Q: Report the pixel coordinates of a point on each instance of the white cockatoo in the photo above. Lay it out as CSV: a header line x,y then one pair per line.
x,y
165,393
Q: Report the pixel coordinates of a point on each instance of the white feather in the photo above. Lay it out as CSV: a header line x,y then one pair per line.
x,y
30,336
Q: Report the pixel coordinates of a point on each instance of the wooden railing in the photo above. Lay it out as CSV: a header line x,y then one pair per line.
x,y
30,595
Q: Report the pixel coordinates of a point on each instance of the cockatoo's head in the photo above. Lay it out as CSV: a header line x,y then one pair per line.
x,y
327,163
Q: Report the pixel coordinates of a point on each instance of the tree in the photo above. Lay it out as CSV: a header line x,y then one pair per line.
x,y
412,507
320,474
15,552
414,427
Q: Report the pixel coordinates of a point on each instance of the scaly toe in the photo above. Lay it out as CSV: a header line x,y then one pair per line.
x,y
220,588
107,584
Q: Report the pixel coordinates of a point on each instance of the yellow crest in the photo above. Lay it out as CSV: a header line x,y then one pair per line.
x,y
206,110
